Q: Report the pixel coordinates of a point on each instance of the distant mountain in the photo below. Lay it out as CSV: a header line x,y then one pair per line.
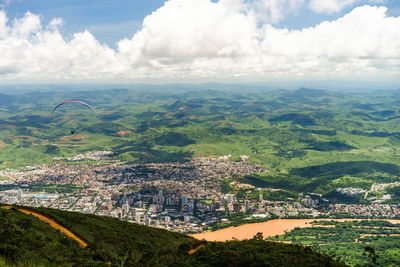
x,y
26,240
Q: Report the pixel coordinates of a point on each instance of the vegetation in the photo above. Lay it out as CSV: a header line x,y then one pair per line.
x,y
356,243
310,140
25,240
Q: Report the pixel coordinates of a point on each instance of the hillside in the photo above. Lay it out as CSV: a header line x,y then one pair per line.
x,y
26,240
311,140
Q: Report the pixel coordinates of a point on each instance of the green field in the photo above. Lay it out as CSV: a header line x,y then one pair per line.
x,y
347,241
310,140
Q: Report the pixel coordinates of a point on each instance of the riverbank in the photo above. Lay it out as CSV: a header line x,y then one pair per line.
x,y
268,229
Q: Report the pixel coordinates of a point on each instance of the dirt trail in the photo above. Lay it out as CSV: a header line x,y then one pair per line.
x,y
53,224
192,251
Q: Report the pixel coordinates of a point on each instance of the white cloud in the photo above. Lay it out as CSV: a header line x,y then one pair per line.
x,y
220,42
29,51
273,11
329,6
202,40
335,6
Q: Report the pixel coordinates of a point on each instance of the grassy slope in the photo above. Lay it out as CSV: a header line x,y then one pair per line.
x,y
347,240
286,131
26,240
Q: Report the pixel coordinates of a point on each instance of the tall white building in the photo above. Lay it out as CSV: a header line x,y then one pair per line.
x,y
147,221
137,218
186,218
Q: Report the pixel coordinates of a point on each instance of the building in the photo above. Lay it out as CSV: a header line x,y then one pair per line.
x,y
186,218
184,200
236,207
137,218
247,204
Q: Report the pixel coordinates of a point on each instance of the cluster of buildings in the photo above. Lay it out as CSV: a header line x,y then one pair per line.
x,y
177,196
184,197
363,210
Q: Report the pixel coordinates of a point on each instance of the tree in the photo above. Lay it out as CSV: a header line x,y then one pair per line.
x,y
259,236
370,252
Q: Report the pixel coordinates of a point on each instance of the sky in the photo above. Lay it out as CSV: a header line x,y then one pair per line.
x,y
179,41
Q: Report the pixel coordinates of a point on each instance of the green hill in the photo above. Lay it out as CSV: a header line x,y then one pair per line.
x,y
27,241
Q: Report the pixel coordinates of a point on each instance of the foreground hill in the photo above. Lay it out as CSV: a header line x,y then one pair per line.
x,y
27,240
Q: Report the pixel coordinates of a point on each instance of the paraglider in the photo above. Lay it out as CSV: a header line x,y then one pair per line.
x,y
72,101
72,131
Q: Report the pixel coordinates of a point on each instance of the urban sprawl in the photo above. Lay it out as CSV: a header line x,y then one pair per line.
x,y
185,197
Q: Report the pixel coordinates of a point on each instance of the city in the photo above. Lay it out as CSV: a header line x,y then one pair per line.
x,y
184,197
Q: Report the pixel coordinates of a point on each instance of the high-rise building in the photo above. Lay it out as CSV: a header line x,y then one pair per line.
x,y
186,218
184,200
125,207
155,199
222,201
167,219
247,204
235,207
260,197
137,218
133,213
229,198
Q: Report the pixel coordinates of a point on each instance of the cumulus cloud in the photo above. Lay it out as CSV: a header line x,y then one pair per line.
x,y
329,6
335,6
207,40
212,39
30,51
273,11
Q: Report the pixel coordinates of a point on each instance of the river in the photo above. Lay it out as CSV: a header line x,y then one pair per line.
x,y
268,228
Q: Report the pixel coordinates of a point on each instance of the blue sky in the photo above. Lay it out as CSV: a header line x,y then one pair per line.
x,y
110,21
199,40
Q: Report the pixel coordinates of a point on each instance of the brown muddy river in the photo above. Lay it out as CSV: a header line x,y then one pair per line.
x,y
268,228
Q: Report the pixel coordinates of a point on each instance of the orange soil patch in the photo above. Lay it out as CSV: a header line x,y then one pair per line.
x,y
2,144
196,249
268,228
78,137
53,224
122,133
75,137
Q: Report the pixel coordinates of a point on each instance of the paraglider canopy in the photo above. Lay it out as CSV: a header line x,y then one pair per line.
x,y
72,101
